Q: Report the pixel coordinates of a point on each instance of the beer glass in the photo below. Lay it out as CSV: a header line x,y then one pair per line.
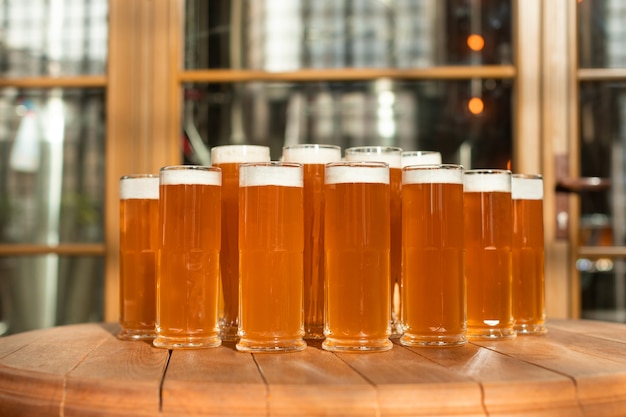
x,y
393,157
228,158
488,238
357,247
271,246
313,157
188,258
528,254
432,256
139,237
420,158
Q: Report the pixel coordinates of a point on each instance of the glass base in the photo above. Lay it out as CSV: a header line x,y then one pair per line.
x,y
357,345
488,333
433,340
529,329
134,334
186,342
314,333
229,333
268,346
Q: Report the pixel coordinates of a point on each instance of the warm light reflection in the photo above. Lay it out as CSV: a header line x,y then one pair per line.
x,y
475,42
475,105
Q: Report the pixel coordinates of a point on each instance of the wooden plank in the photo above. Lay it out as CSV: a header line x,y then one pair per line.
x,y
116,379
83,81
600,329
412,385
32,377
600,383
315,383
65,249
213,382
510,387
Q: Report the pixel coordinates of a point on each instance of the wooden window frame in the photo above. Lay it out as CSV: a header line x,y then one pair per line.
x,y
144,103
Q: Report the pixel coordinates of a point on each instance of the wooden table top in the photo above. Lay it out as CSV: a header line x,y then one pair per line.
x,y
578,368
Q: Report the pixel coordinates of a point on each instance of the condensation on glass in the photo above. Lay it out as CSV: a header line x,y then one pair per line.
x,y
53,38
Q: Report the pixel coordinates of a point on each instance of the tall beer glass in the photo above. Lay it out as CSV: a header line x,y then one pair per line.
x,y
228,158
357,246
528,254
488,259
188,259
139,237
314,157
393,157
432,257
271,245
420,158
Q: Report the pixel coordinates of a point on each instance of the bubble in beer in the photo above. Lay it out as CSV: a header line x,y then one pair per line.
x,y
487,181
372,172
170,176
526,187
144,187
280,174
228,154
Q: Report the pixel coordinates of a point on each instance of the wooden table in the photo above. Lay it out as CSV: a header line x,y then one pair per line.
x,y
578,368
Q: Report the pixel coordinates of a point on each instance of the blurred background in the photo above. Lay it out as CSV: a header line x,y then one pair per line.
x,y
93,89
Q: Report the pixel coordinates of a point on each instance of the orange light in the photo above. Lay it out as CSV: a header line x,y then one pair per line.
x,y
508,164
475,105
475,42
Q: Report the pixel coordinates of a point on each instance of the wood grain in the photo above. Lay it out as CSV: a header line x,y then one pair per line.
x,y
578,368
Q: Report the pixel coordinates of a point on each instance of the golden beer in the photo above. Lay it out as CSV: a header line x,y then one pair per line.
x,y
188,259
393,157
139,238
528,254
271,245
432,240
228,158
314,157
357,246
488,254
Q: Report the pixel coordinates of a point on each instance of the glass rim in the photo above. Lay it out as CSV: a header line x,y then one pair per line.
x,y
312,146
488,171
366,164
190,167
373,150
433,167
138,176
528,176
286,164
409,153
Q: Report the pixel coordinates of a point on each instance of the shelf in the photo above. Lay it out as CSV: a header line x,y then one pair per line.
x,y
66,249
81,81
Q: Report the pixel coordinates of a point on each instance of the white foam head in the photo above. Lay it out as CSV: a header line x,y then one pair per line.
x,y
420,158
527,187
271,173
139,186
357,172
487,180
312,154
388,154
226,154
188,174
433,174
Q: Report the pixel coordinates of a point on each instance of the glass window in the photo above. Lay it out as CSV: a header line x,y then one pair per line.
x,y
51,166
53,38
602,33
415,115
278,35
